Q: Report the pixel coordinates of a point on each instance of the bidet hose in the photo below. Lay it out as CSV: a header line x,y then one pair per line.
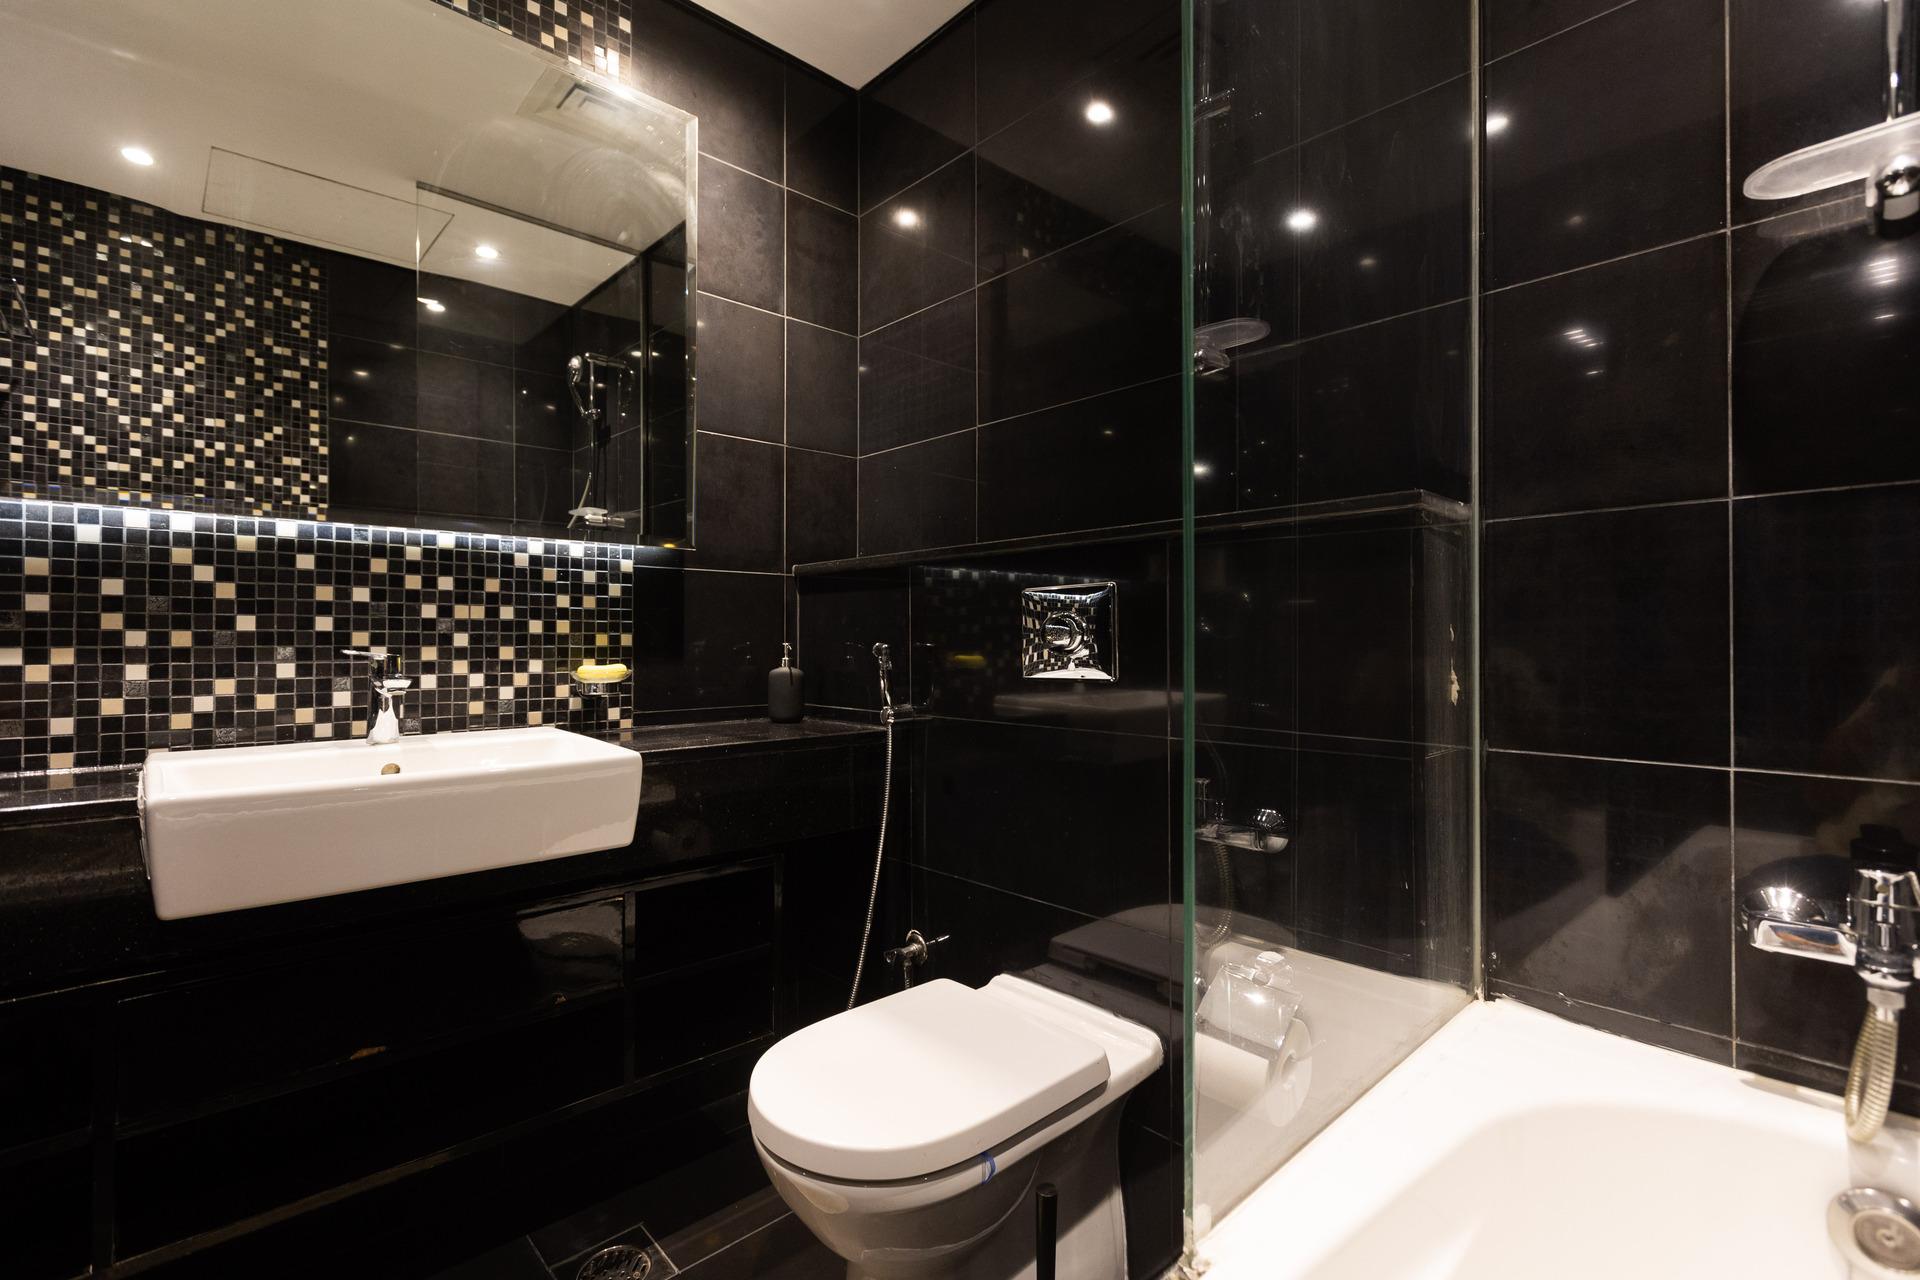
x,y
1870,1078
879,861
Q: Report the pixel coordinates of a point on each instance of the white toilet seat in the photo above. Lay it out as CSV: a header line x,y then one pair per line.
x,y
1070,1060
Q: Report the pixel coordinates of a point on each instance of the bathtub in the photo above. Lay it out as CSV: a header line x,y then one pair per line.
x,y
1514,1145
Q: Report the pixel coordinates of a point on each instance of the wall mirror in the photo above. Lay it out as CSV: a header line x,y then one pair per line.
x,y
364,260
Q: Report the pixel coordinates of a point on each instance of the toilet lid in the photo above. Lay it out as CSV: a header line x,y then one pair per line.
x,y
914,1083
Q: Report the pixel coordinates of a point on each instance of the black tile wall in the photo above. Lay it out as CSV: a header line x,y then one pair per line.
x,y
1019,252
217,635
1697,446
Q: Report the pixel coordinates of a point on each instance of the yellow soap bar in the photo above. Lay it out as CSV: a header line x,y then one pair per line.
x,y
600,672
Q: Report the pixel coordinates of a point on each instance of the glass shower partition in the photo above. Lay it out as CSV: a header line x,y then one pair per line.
x,y
1327,655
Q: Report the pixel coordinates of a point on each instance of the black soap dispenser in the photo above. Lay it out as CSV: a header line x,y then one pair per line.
x,y
784,703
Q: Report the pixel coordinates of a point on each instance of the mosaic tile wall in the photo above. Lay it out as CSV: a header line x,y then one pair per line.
x,y
126,631
172,356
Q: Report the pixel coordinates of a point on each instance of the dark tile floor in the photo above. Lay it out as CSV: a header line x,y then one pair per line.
x,y
670,1216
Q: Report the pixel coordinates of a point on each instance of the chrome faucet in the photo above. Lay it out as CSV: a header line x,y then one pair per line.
x,y
1876,929
383,719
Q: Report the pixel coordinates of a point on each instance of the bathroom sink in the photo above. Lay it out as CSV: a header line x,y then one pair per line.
x,y
245,827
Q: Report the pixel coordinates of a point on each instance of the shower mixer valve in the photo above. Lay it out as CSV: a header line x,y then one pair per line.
x,y
1876,929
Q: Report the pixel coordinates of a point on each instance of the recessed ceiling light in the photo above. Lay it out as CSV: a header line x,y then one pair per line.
x,y
1099,112
137,155
432,304
906,218
1302,220
1497,122
486,251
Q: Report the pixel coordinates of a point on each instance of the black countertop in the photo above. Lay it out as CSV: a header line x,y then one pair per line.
x,y
100,792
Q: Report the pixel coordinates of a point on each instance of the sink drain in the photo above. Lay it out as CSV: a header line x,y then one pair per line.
x,y
617,1262
1878,1233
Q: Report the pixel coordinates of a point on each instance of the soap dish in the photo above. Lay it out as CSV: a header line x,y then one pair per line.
x,y
597,688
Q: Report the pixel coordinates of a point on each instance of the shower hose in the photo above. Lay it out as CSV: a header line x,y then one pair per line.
x,y
879,861
1870,1078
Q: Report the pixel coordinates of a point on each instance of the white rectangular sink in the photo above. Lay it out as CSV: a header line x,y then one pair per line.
x,y
225,829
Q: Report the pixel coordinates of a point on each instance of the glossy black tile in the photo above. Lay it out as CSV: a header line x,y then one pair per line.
x,y
916,248
1606,634
1607,387
840,620
918,496
917,376
372,382
1786,1004
823,389
1101,315
1250,254
516,1260
1356,646
51,1201
705,639
1031,50
1567,185
994,931
542,334
823,139
822,506
1246,618
1355,857
1799,72
1382,408
463,477
473,320
464,397
1122,451
981,781
1512,24
1252,412
1357,57
1619,1022
1609,883
823,264
742,371
1827,627
543,489
1247,60
1378,239
785,1250
740,493
1096,155
734,88
543,412
1825,327
742,235
918,115
373,467
368,299
1216,447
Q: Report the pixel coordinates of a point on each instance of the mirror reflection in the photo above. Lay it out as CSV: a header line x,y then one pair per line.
x,y
362,261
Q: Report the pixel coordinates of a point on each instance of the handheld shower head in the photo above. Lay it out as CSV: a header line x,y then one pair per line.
x,y
882,657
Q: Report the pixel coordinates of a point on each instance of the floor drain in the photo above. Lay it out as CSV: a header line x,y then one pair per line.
x,y
617,1262
1878,1233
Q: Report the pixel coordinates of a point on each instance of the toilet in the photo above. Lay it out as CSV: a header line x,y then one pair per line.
x,y
911,1134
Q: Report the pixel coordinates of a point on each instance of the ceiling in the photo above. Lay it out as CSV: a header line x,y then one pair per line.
x,y
851,40
348,137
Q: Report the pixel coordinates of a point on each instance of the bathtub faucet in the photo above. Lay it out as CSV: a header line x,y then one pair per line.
x,y
1876,929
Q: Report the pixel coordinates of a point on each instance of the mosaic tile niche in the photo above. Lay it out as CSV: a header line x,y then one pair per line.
x,y
126,631
174,362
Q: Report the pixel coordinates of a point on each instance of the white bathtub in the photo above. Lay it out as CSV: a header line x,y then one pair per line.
x,y
1514,1145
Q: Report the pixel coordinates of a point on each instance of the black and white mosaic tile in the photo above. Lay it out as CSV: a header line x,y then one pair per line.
x,y
596,35
126,631
174,362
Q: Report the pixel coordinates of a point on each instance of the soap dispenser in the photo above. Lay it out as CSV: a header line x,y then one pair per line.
x,y
784,703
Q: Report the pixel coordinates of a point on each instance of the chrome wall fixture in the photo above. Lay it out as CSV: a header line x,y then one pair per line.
x,y
1070,632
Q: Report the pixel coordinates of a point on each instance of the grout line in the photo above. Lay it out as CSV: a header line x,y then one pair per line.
x,y
952,297
1574,755
1733,755
1601,511
1534,44
1112,391
945,435
766,311
944,164
1737,498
